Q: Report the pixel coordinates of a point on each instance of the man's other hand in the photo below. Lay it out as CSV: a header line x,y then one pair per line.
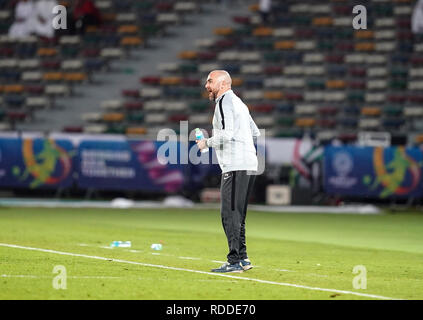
x,y
201,144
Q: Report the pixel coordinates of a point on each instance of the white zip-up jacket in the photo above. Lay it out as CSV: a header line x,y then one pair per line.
x,y
233,132
417,18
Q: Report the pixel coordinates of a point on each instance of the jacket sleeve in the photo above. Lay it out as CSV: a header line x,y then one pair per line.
x,y
226,134
254,130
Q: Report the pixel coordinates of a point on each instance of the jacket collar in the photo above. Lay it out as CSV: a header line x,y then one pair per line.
x,y
221,96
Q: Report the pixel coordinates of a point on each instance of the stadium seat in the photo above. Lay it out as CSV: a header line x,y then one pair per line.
x,y
176,118
328,111
368,123
16,116
154,105
176,106
128,29
150,80
136,131
133,105
131,41
198,119
223,31
263,108
305,122
14,88
335,84
188,55
47,52
286,121
371,111
392,123
275,95
133,93
73,129
135,117
92,117
37,102
155,118
186,7
305,109
284,45
14,100
170,81
111,53
347,123
34,89
264,121
111,104
322,21
57,90
199,106
326,123
74,77
413,111
112,117
263,32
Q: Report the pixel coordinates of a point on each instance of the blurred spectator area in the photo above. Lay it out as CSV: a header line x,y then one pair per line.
x,y
36,69
305,69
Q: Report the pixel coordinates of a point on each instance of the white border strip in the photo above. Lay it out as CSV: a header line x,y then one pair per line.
x,y
29,202
198,271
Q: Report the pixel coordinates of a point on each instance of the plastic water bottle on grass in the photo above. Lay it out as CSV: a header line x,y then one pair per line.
x,y
156,246
121,244
199,135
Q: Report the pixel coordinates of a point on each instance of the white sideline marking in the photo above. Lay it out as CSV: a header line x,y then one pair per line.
x,y
284,270
198,271
71,277
218,261
189,258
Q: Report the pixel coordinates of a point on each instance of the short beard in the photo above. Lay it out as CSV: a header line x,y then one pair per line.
x,y
212,97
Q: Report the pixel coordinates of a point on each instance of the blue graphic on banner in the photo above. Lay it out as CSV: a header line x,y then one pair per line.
x,y
126,165
373,171
36,163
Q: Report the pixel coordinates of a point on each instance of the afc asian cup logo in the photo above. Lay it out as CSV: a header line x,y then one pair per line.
x,y
342,163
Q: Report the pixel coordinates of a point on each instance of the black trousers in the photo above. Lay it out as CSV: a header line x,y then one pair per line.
x,y
235,189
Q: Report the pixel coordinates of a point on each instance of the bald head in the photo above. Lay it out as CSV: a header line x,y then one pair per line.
x,y
218,82
222,76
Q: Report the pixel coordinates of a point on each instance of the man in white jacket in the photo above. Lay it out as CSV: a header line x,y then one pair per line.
x,y
417,18
24,23
233,137
33,18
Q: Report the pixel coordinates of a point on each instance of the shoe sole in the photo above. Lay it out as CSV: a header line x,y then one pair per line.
x,y
247,268
233,271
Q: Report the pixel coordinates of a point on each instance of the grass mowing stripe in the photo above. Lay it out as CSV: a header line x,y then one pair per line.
x,y
198,271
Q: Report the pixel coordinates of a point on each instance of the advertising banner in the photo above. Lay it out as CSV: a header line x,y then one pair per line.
x,y
373,171
34,162
126,165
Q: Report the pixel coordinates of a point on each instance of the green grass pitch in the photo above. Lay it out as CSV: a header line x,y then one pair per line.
x,y
296,256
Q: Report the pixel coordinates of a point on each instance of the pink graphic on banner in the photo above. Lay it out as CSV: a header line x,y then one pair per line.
x,y
146,151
